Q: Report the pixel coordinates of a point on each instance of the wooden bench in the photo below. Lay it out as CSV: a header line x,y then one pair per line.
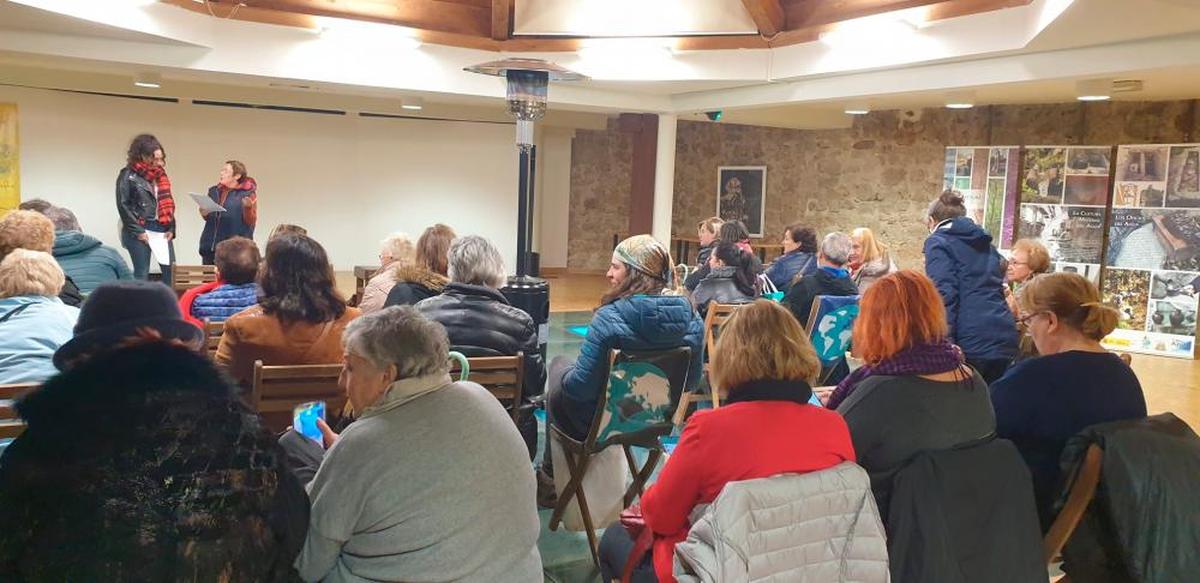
x,y
10,425
185,277
277,390
502,376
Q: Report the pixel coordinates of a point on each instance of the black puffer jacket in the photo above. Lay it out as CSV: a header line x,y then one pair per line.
x,y
143,465
720,287
414,284
481,322
1143,524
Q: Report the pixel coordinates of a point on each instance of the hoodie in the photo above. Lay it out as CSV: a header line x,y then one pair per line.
x,y
640,322
87,262
965,267
239,218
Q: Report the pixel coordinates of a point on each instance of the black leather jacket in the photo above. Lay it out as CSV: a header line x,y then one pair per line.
x,y
137,204
480,322
718,287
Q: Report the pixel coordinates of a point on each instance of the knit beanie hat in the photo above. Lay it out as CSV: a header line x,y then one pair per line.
x,y
645,254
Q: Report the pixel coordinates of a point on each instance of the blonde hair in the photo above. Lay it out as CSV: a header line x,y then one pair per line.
x,y
399,246
762,341
872,249
1039,257
710,225
30,273
25,230
1074,299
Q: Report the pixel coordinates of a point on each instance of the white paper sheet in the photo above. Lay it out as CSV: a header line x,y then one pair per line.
x,y
159,247
206,204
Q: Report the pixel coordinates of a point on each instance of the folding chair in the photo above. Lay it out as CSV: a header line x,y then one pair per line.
x,y
10,425
633,410
831,320
502,376
212,336
1083,489
716,317
277,390
185,277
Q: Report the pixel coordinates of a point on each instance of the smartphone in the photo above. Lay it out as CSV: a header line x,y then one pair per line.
x,y
304,419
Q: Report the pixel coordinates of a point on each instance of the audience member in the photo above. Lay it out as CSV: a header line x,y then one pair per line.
x,y
287,229
140,462
729,279
427,278
82,257
799,257
237,193
633,315
731,232
37,205
1040,403
299,317
869,259
480,321
431,483
764,427
706,232
395,253
33,321
33,231
915,393
145,205
964,265
1028,259
237,260
831,278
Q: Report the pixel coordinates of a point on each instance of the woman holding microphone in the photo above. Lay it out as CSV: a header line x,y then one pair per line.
x,y
237,194
146,207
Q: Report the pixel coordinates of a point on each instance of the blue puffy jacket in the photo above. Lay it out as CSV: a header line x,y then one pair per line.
x,y
635,323
785,268
961,261
224,301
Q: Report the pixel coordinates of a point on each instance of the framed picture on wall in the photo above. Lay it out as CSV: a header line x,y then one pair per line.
x,y
741,194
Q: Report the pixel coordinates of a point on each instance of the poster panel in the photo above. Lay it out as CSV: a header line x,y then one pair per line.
x,y
986,176
10,163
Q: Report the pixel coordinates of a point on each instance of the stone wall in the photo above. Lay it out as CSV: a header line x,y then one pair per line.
x,y
880,173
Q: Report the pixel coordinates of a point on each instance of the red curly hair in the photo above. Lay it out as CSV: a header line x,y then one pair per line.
x,y
897,312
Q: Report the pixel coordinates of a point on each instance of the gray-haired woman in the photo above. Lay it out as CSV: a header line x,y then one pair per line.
x,y
431,483
481,322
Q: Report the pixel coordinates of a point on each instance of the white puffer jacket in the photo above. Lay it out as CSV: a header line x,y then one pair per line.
x,y
819,527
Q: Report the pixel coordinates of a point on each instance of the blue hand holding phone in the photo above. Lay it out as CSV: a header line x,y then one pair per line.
x,y
304,420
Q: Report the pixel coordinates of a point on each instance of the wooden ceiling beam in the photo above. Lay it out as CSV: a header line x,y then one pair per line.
x,y
768,16
419,14
502,19
802,14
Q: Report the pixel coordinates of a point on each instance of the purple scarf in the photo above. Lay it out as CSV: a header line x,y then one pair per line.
x,y
921,359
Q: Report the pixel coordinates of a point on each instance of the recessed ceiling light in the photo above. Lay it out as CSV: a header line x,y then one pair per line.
x,y
857,108
148,80
412,104
960,100
1093,90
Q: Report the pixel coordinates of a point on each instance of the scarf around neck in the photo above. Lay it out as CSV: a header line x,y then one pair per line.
x,y
795,391
157,175
921,359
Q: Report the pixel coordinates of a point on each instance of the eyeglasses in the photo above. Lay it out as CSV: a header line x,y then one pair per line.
x,y
1011,262
1024,320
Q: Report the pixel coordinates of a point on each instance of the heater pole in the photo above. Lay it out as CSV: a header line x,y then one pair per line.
x,y
525,182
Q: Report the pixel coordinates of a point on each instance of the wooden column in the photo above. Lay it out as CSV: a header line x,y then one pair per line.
x,y
643,128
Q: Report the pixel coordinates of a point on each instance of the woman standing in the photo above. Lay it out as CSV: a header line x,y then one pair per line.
x,y
145,205
238,194
869,259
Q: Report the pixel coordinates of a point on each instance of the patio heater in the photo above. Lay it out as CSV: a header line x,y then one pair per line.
x,y
528,80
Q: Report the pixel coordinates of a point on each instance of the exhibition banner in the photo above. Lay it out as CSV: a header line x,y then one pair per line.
x,y
10,166
986,176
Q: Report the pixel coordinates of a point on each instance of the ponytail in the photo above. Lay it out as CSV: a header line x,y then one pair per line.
x,y
1098,320
947,205
1074,299
732,255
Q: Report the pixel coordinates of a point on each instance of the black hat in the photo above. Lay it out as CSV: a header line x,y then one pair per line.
x,y
116,310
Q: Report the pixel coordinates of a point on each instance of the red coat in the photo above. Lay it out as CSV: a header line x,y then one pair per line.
x,y
739,441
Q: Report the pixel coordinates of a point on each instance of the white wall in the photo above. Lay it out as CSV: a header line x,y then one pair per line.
x,y
553,195
350,181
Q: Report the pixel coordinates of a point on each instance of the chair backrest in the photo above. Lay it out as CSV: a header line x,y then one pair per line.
x,y
185,277
1083,489
502,376
642,393
277,390
11,425
831,322
212,336
716,317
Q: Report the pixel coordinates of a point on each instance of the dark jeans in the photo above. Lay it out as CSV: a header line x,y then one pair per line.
x,y
990,369
615,547
140,255
303,455
557,413
208,258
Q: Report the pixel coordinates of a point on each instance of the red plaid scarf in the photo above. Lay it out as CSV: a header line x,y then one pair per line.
x,y
157,175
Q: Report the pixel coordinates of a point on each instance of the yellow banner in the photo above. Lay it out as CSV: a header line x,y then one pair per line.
x,y
10,158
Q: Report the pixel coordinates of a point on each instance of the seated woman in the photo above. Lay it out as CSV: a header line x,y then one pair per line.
x,y
431,483
706,233
396,251
299,317
799,257
869,259
237,261
427,277
729,279
730,232
633,315
481,322
141,463
1041,402
33,321
914,393
764,427
1028,259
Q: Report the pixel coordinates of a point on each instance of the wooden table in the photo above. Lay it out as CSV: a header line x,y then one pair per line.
x,y
682,249
363,274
